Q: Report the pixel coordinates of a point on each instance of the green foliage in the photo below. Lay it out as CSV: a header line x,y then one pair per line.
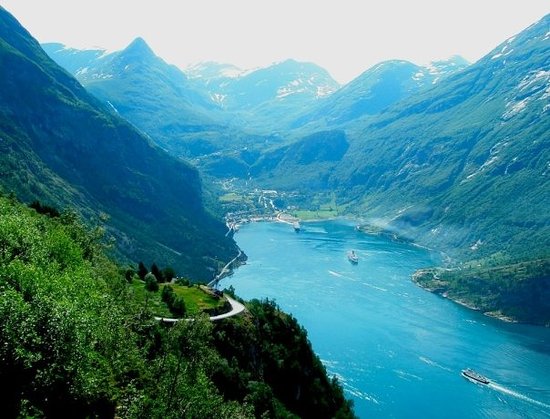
x,y
517,291
177,307
269,360
65,349
62,146
142,271
175,303
183,281
196,300
151,283
76,343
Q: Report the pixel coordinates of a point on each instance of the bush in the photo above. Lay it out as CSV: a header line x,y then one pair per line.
x,y
167,295
129,275
183,281
151,283
178,307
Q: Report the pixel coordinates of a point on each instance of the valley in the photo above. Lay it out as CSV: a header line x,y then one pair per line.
x,y
452,155
115,159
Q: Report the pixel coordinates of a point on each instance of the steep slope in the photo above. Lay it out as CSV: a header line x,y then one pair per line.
x,y
304,165
462,163
465,162
462,167
60,145
375,90
154,96
78,342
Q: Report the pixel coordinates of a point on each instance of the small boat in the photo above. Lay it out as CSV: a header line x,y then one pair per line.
x,y
352,257
296,226
474,377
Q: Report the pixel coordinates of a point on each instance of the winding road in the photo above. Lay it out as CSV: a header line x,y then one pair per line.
x,y
224,270
236,308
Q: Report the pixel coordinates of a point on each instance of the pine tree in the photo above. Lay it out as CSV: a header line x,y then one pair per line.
x,y
156,271
142,271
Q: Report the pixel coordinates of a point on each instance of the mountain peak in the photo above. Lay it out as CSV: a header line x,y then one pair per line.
x,y
139,46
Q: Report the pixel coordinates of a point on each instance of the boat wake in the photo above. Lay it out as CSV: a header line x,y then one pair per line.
x,y
433,363
375,287
517,395
348,388
338,275
335,274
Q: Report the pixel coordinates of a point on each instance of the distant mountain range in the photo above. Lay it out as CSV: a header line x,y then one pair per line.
x,y
156,97
451,155
464,161
407,141
62,146
377,89
461,166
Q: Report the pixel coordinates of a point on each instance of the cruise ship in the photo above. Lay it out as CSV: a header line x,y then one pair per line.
x,y
352,257
474,377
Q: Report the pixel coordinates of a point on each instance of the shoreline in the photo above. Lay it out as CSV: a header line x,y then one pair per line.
x,y
441,291
492,314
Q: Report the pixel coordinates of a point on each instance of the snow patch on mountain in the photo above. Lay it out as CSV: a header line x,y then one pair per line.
x,y
535,86
311,86
81,71
218,98
514,108
491,160
212,70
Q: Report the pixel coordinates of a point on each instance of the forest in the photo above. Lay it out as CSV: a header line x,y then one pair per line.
x,y
76,343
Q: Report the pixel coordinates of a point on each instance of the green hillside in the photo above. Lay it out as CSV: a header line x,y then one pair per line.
x,y
76,343
461,168
61,146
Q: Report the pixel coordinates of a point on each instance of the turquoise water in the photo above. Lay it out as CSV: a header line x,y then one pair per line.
x,y
397,349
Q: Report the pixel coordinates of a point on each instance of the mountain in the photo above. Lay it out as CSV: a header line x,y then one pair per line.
x,y
62,146
156,97
377,89
462,162
287,80
461,167
218,116
261,98
79,339
71,59
214,75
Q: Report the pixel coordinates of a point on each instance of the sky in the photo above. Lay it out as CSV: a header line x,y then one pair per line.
x,y
346,37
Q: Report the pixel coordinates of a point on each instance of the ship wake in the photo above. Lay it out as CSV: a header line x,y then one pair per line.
x,y
517,395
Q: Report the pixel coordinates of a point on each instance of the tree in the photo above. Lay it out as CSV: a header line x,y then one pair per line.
x,y
129,274
168,273
178,307
156,271
151,283
168,295
142,271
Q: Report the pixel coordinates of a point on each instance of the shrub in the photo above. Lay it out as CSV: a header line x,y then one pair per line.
x,y
151,283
